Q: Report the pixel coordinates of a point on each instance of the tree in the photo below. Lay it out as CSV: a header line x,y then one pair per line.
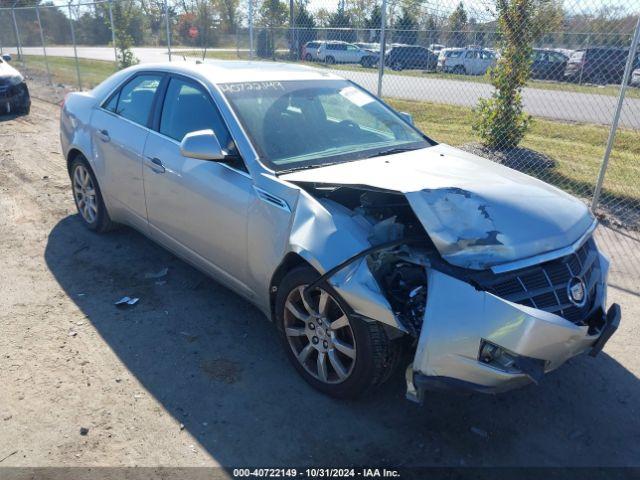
x,y
340,21
305,27
405,29
433,32
373,23
548,20
501,121
124,19
273,14
458,24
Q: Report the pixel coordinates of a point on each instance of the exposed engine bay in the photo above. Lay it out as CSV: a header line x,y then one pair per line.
x,y
400,247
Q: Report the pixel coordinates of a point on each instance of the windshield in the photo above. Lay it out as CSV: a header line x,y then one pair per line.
x,y
300,124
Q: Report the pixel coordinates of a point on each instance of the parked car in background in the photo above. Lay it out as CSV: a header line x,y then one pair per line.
x,y
368,243
466,61
310,51
370,47
14,93
341,52
635,78
601,65
404,57
373,49
548,64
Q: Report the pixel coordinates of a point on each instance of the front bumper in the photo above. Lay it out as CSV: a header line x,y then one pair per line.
x,y
459,317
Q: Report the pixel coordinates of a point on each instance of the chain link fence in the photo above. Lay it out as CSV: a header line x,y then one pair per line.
x,y
579,128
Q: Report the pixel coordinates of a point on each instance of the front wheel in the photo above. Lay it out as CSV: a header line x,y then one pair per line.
x,y
330,60
88,198
308,57
338,354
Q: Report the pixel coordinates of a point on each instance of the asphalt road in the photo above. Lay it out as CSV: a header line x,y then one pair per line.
x,y
553,104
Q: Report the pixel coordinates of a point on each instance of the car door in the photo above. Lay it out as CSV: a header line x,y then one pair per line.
x,y
197,207
119,134
352,54
471,60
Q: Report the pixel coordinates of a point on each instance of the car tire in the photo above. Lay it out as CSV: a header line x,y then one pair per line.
x,y
308,57
459,70
91,207
397,66
365,62
375,356
330,60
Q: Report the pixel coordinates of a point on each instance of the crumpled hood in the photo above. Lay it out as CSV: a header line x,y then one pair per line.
x,y
478,213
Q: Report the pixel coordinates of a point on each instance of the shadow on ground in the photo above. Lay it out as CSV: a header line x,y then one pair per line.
x,y
215,364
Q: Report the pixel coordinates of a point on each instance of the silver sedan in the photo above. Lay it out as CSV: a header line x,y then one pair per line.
x,y
363,239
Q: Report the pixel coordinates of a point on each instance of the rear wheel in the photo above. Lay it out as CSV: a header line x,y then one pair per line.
x,y
308,57
330,60
88,198
397,65
338,354
459,70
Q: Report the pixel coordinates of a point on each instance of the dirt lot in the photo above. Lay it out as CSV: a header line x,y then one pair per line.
x,y
193,375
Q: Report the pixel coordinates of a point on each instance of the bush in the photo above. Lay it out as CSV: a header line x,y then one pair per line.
x,y
500,120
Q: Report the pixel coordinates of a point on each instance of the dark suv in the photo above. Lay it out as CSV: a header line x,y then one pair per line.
x,y
600,65
411,56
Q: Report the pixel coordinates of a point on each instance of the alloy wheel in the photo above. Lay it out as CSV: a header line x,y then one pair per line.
x,y
320,335
84,193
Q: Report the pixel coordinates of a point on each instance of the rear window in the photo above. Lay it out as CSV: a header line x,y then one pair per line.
x,y
313,44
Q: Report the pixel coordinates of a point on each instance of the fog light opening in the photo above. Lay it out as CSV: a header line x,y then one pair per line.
x,y
502,359
496,356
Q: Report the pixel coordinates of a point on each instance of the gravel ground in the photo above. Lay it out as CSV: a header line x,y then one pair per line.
x,y
193,375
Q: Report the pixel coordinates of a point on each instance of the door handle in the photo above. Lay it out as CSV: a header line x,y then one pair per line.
x,y
104,135
156,165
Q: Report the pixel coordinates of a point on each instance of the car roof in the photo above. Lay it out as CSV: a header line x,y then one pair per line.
x,y
233,71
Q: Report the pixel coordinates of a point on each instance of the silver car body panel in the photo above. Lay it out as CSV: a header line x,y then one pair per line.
x,y
479,215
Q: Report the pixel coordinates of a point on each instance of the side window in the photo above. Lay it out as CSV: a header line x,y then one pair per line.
x,y
136,98
188,108
352,47
112,104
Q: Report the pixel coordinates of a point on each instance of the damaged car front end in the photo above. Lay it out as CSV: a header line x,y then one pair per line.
x,y
14,93
495,276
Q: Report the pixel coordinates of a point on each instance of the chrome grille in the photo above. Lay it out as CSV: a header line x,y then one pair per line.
x,y
544,286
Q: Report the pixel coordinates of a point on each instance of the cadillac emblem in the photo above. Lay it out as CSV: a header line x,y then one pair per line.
x,y
577,292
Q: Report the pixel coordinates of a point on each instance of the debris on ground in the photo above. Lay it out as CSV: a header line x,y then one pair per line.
x,y
84,431
480,432
156,275
126,302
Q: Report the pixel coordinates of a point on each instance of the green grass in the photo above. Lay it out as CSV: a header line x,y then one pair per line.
x,y
63,69
576,150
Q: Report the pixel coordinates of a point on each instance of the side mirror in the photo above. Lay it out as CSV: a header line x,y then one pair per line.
x,y
202,145
6,57
406,117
